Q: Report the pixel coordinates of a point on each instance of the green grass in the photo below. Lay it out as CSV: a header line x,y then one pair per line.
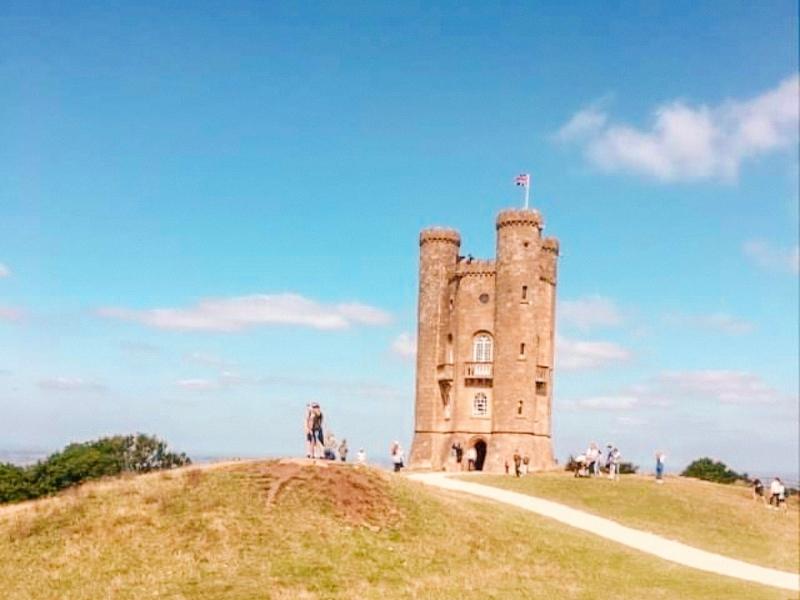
x,y
326,534
716,517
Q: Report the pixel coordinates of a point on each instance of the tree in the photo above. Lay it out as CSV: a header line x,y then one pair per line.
x,y
88,460
711,470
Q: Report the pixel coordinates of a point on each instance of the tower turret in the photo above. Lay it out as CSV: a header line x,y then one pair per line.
x,y
438,249
518,336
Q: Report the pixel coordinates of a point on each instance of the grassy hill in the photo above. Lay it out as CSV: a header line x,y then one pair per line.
x,y
716,517
291,530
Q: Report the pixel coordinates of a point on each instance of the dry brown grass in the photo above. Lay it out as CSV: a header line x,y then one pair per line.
x,y
278,530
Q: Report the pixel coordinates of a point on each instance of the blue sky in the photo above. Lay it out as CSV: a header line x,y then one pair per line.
x,y
209,215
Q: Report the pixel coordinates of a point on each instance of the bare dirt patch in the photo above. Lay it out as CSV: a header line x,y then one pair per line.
x,y
359,496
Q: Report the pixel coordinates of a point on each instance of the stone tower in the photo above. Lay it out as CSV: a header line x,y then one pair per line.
x,y
485,347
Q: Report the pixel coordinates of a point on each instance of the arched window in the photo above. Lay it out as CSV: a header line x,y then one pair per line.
x,y
480,405
482,348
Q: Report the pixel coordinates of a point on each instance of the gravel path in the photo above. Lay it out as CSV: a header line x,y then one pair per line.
x,y
633,538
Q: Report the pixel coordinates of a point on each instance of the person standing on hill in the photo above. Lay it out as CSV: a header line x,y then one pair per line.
x,y
660,458
361,457
315,429
343,449
397,457
758,491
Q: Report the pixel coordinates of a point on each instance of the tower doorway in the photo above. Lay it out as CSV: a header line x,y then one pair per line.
x,y
480,450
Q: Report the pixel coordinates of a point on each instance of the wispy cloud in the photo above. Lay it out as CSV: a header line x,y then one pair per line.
x,y
405,346
721,322
353,388
70,384
768,256
207,359
727,387
589,313
576,355
687,142
7,313
198,384
242,312
608,402
4,271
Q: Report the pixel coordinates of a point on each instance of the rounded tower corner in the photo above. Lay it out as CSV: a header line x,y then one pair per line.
x,y
439,234
519,217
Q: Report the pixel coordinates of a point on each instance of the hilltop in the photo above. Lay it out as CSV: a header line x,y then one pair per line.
x,y
293,529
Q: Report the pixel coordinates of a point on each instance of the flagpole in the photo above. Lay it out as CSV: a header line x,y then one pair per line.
x,y
527,188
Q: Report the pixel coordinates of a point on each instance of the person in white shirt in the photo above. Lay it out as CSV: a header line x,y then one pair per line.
x,y
777,492
361,457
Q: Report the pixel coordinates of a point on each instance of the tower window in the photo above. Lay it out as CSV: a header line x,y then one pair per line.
x,y
541,388
520,405
482,348
480,405
522,349
524,292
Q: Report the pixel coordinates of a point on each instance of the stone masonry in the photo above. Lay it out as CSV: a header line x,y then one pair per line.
x,y
485,347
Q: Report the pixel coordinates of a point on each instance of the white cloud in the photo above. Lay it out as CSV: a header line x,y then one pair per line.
x,y
575,355
768,256
197,384
629,421
208,360
583,123
8,313
691,142
727,387
70,384
237,313
405,345
4,271
608,402
722,322
589,312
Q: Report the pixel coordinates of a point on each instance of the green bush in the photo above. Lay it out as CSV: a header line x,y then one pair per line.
x,y
711,470
88,460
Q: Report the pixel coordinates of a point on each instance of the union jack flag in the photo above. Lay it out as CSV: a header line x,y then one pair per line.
x,y
523,179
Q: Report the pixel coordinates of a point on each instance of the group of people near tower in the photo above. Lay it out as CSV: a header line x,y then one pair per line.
x,y
319,445
589,463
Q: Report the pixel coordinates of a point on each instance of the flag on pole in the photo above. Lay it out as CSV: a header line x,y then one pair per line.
x,y
523,179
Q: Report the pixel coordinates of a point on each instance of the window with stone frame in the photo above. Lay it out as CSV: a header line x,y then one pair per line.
x,y
480,405
482,348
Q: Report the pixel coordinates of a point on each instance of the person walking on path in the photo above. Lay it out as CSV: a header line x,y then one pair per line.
x,y
660,458
343,449
517,463
526,462
459,453
472,457
613,464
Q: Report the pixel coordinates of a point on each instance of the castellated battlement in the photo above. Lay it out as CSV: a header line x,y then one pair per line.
x,y
439,234
485,341
550,244
519,216
475,267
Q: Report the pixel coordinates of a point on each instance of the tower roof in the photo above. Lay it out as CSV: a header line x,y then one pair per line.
x,y
519,216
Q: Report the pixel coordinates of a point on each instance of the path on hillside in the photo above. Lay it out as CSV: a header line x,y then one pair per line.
x,y
633,538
